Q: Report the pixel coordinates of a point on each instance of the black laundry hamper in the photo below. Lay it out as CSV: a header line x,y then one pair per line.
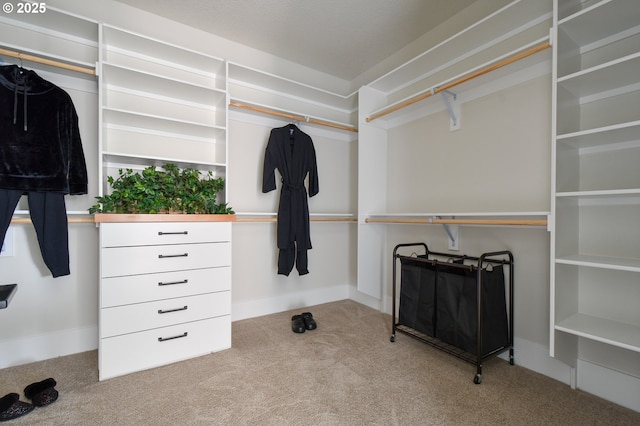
x,y
453,302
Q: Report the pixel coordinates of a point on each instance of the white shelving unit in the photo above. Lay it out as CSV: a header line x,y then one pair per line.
x,y
161,103
158,99
595,273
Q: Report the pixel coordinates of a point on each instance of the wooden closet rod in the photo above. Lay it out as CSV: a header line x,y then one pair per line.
x,y
514,58
25,220
503,222
312,219
51,62
291,116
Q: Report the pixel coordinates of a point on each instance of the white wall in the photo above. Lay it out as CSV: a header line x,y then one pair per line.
x,y
499,161
257,289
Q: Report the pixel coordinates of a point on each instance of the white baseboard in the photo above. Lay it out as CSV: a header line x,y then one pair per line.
x,y
534,356
45,346
285,302
608,384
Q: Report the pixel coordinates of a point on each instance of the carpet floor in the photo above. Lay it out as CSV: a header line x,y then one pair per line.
x,y
346,372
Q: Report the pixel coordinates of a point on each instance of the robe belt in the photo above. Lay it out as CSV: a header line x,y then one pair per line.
x,y
292,187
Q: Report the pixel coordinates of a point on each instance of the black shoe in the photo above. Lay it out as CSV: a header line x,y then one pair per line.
x,y
11,407
309,322
297,324
42,393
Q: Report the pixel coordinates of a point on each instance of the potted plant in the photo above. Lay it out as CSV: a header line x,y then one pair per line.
x,y
166,190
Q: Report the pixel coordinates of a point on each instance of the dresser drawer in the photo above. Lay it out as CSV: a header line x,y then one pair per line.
x,y
140,234
120,261
139,351
145,316
117,291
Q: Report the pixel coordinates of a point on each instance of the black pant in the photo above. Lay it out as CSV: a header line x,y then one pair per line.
x,y
287,257
49,217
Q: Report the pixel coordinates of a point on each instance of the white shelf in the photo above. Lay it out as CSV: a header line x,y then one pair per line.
x,y
135,119
620,264
143,48
613,193
602,330
600,20
119,160
612,75
119,76
608,135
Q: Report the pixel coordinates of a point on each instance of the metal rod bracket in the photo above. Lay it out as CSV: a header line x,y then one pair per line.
x,y
453,231
454,109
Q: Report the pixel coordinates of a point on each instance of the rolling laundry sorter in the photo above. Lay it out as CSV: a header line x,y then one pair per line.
x,y
165,293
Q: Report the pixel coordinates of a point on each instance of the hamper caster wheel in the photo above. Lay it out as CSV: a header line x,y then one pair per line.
x,y
511,360
393,338
477,379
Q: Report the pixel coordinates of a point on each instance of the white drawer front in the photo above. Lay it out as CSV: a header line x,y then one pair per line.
x,y
145,316
139,351
119,261
117,291
135,234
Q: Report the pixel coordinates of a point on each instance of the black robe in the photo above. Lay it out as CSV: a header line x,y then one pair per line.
x,y
291,151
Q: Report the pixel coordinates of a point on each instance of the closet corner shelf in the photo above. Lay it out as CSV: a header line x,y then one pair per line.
x,y
632,192
603,262
603,330
121,218
485,218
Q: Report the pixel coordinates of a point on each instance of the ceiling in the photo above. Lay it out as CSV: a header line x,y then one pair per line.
x,y
343,38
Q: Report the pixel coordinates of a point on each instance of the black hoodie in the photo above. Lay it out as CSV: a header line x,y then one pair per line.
x,y
40,145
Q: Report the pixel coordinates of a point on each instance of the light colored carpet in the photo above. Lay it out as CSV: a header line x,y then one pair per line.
x,y
344,373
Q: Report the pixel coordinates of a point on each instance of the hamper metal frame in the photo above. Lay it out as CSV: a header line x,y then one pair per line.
x,y
498,257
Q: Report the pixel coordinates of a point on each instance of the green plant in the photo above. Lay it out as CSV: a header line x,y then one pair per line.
x,y
162,191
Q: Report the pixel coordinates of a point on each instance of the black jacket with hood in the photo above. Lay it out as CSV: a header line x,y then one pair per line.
x,y
40,145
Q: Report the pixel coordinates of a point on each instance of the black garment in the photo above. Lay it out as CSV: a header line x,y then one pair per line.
x,y
291,151
40,146
49,217
41,155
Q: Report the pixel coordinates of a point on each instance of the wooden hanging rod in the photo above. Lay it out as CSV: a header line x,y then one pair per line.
x,y
502,222
507,61
312,219
291,116
26,220
45,61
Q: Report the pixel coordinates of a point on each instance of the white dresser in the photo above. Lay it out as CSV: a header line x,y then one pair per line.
x,y
165,291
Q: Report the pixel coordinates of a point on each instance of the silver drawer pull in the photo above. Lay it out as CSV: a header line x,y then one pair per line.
x,y
164,339
173,282
173,233
167,311
166,256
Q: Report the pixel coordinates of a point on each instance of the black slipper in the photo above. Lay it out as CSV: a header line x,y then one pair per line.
x,y
42,393
297,324
11,407
309,322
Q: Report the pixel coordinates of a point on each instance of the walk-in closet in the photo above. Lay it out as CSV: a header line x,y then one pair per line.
x,y
509,129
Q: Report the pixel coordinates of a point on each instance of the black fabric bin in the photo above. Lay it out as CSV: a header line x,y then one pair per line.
x,y
457,308
417,295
